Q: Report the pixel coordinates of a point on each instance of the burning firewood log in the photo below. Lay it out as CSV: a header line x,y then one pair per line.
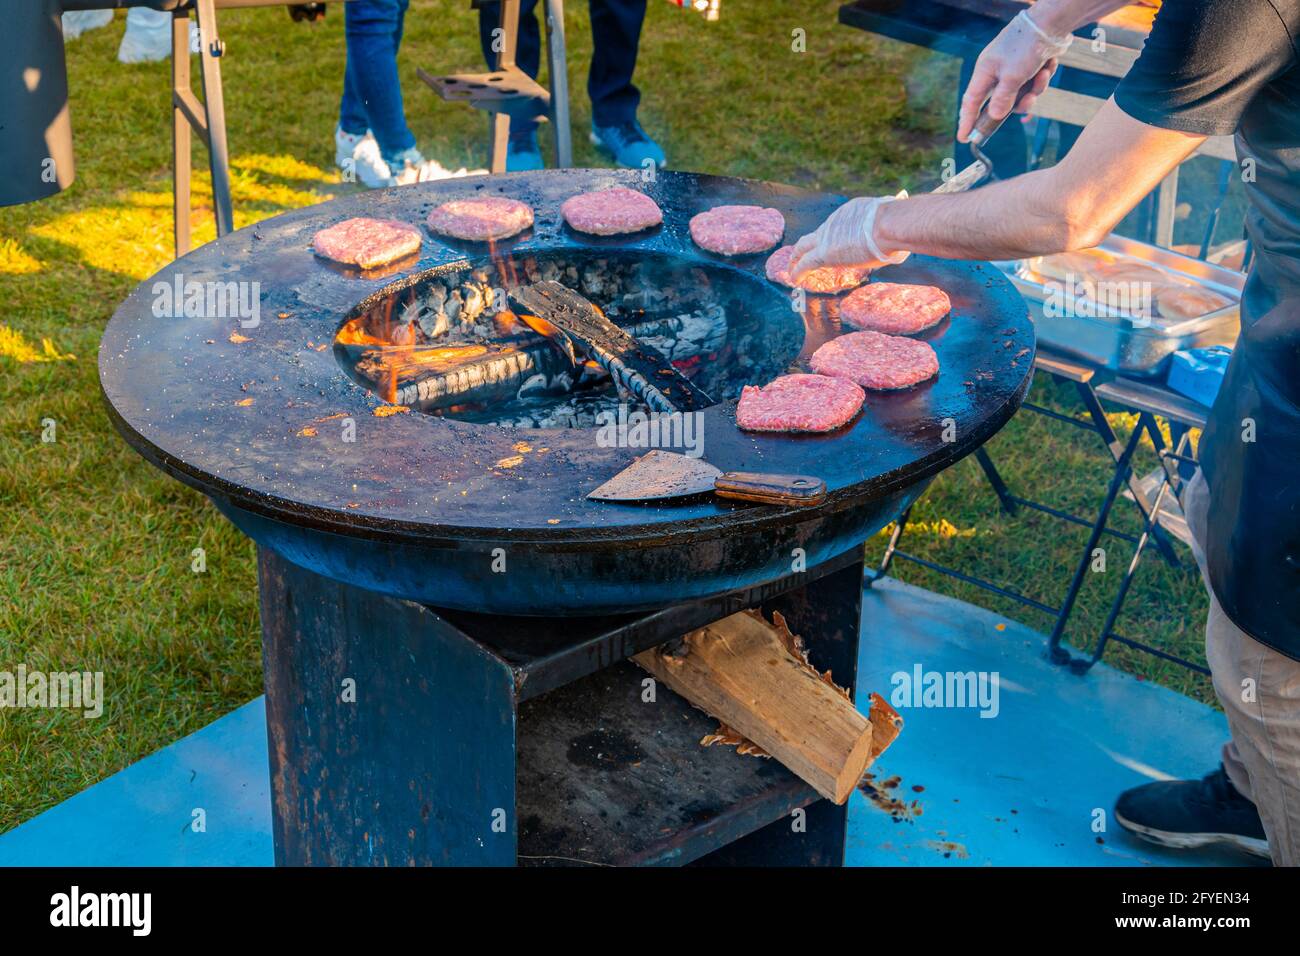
x,y
438,377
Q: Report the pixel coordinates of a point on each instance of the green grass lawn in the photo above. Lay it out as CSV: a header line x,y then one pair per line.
x,y
95,545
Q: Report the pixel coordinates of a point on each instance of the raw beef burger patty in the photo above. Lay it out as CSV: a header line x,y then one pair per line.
x,y
491,217
367,242
611,212
737,230
875,360
827,279
895,308
798,403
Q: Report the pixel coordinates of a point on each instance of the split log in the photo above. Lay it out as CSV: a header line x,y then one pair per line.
x,y
636,368
743,672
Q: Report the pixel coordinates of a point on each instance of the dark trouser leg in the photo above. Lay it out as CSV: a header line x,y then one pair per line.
x,y
528,52
616,34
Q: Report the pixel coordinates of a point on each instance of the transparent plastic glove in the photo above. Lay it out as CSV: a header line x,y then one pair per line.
x,y
846,238
1022,54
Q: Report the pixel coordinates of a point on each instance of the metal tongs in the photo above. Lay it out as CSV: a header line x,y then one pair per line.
x,y
976,172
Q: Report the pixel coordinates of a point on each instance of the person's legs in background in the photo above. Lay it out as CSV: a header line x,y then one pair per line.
x,y
1255,794
373,140
522,152
355,150
616,35
372,90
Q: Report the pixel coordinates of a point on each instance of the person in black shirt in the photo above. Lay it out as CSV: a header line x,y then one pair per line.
x,y
1209,67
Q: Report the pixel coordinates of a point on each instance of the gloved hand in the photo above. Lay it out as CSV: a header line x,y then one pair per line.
x,y
1021,53
846,238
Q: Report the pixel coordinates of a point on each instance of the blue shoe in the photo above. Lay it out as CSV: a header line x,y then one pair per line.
x,y
523,153
628,145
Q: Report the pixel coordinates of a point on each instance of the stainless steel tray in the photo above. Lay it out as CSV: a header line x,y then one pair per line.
x,y
1136,345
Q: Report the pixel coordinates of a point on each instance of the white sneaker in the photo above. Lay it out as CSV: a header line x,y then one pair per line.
x,y
417,169
345,144
77,22
358,157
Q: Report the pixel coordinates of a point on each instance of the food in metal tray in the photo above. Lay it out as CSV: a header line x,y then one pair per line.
x,y
1072,266
1130,270
1188,302
1094,274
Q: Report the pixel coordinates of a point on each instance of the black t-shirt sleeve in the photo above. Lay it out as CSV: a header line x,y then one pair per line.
x,y
1205,60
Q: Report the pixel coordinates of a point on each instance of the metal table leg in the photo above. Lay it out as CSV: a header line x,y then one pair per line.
x,y
206,119
1170,462
181,132
1123,471
1005,497
210,51
1114,446
499,123
558,71
891,548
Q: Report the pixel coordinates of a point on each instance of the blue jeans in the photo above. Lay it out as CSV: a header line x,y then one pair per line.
x,y
616,36
372,92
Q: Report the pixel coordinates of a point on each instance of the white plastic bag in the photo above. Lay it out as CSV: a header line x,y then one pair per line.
x,y
77,22
148,36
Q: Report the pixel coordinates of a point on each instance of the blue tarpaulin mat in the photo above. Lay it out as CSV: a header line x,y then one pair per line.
x,y
1032,783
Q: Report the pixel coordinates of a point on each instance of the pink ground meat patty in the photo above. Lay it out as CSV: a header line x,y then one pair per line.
x,y
481,220
798,403
367,243
826,280
737,230
895,308
876,361
611,212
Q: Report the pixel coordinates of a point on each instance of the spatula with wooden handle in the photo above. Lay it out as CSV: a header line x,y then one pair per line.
x,y
660,475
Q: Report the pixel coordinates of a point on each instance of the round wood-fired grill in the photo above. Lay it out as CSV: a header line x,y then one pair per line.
x,y
421,506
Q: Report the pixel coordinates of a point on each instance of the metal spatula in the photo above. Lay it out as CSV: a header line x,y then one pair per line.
x,y
661,474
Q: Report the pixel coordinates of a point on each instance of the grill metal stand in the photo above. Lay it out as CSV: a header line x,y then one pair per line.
x,y
407,735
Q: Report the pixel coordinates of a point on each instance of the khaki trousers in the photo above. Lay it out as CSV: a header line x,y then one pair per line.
x,y
1260,692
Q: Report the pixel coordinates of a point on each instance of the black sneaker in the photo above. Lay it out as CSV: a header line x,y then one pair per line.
x,y
1185,814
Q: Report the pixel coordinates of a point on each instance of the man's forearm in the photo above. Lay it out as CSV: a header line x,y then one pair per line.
x,y
1007,220
1115,162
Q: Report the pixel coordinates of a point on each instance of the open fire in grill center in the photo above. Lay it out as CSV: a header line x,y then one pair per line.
x,y
450,343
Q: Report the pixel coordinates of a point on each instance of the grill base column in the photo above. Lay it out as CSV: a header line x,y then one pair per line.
x,y
405,735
